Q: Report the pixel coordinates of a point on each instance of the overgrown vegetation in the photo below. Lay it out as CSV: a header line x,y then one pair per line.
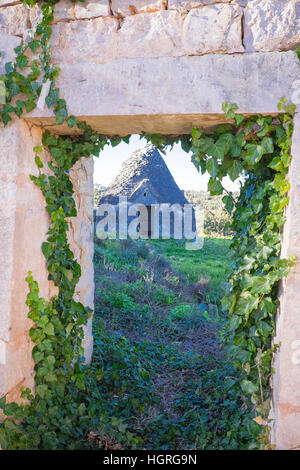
x,y
217,220
66,409
164,370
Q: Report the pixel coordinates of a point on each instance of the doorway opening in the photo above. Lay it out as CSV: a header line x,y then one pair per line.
x,y
158,314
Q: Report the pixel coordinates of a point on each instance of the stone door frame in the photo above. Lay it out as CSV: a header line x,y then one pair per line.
x,y
123,107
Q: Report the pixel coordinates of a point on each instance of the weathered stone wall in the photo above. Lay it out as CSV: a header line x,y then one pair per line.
x,y
108,30
133,65
286,381
23,226
81,239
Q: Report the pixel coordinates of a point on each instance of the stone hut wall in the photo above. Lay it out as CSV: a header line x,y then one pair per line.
x,y
107,30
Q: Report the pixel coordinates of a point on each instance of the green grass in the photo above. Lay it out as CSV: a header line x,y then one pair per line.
x,y
212,262
163,378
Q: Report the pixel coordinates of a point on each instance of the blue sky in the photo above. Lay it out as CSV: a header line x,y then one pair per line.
x,y
179,163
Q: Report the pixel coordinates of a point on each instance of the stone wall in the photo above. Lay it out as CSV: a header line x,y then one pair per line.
x,y
107,30
23,226
127,66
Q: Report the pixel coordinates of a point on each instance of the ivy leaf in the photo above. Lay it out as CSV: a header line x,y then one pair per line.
x,y
22,61
238,119
267,145
235,170
49,329
72,121
249,387
246,303
38,356
41,390
52,97
34,45
229,109
69,329
9,67
38,162
217,150
2,402
228,202
258,284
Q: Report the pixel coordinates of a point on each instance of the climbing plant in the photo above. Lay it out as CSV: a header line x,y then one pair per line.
x,y
56,413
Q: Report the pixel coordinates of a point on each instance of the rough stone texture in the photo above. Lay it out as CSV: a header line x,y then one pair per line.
x,y
13,19
119,97
24,223
150,35
7,45
79,41
81,237
63,11
131,75
4,3
272,25
187,5
23,226
216,28
286,382
92,9
131,7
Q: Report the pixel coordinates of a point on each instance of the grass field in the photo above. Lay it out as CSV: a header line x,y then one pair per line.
x,y
164,379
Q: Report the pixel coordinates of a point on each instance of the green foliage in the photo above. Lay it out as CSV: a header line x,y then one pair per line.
x,y
217,211
191,401
259,149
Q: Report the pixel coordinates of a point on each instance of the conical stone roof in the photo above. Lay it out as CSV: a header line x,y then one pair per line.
x,y
145,164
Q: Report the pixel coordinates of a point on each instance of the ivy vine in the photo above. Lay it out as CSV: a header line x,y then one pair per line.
x,y
258,148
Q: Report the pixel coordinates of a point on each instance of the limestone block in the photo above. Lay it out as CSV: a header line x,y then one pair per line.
x,y
272,25
79,41
286,380
170,95
19,363
64,10
7,225
155,35
7,45
187,5
216,28
81,239
131,7
2,352
8,171
13,19
92,9
23,225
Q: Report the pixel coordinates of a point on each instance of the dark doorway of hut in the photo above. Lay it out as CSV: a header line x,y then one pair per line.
x,y
158,315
